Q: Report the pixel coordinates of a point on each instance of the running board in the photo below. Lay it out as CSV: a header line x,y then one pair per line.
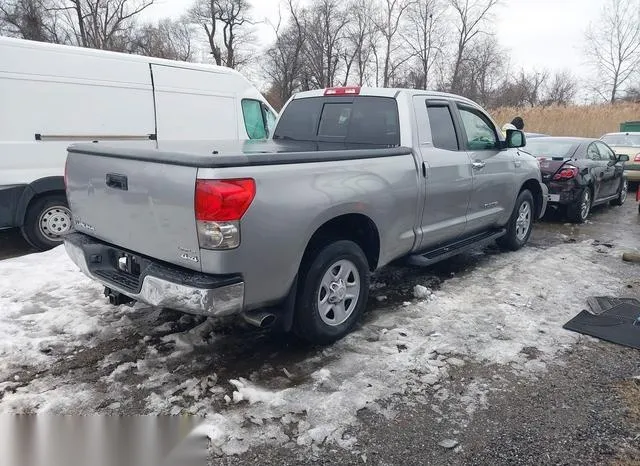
x,y
453,249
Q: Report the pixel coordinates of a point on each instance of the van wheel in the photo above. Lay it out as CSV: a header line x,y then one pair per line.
x,y
520,224
332,294
48,219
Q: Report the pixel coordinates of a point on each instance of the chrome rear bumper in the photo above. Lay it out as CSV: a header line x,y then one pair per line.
x,y
159,285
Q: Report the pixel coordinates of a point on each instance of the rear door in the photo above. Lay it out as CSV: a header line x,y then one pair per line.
x,y
446,173
494,177
612,171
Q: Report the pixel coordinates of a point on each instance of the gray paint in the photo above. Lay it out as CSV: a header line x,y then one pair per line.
x,y
411,212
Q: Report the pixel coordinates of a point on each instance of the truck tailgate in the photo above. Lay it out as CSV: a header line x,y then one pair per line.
x,y
142,206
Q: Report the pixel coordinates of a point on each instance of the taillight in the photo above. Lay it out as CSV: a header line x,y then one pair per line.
x,y
219,206
637,158
347,90
568,172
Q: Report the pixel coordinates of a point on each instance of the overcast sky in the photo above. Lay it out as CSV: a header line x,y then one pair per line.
x,y
538,33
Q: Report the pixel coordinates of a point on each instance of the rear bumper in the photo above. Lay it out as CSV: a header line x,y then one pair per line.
x,y
564,193
158,284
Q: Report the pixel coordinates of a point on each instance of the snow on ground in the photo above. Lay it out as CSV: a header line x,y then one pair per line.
x,y
510,304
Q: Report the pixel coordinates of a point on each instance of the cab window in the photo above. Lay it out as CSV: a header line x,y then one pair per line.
x,y
479,131
254,120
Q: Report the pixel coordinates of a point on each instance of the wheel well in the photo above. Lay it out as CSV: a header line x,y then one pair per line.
x,y
354,227
536,191
39,196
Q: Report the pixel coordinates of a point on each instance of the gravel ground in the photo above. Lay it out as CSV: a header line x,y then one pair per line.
x,y
582,409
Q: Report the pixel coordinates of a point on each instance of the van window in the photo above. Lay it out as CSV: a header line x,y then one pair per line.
x,y
357,120
443,132
254,119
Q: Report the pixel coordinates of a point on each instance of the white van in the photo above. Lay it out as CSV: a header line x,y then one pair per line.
x,y
52,96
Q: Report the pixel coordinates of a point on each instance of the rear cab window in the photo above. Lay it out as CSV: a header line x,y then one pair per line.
x,y
351,120
443,131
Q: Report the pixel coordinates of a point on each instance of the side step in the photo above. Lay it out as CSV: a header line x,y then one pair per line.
x,y
455,248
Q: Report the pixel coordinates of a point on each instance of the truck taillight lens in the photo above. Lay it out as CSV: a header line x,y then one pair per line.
x,y
219,206
568,172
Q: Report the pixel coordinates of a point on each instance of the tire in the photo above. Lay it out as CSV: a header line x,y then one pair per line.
x,y
520,223
622,195
327,276
48,218
579,212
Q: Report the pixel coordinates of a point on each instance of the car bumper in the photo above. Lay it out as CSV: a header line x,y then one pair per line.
x,y
564,193
545,199
632,175
157,284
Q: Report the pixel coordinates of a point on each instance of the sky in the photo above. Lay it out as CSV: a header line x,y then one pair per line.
x,y
538,33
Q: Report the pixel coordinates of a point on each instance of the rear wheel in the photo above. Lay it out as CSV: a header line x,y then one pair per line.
x,y
579,212
47,220
520,223
333,292
622,194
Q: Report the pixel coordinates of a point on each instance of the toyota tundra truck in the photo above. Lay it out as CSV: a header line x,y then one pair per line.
x,y
288,230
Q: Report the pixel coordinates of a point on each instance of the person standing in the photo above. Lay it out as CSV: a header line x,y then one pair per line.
x,y
518,122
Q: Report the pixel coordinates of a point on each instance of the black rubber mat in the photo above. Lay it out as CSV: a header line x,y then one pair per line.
x,y
599,304
619,323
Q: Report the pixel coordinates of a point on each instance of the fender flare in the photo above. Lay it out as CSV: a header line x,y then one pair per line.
x,y
49,184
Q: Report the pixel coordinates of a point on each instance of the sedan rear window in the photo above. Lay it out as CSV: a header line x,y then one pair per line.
x,y
550,149
627,140
355,120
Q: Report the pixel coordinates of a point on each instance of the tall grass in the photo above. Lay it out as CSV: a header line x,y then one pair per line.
x,y
585,121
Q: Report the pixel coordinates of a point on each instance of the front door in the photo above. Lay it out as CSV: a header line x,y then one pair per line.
x,y
446,173
494,176
613,172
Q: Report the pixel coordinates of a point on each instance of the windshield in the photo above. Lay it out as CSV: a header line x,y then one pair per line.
x,y
355,120
627,140
548,148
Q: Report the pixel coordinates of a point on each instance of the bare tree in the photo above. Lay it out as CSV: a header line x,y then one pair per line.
x,y
471,16
360,40
389,24
169,39
31,20
425,37
613,46
284,63
101,24
325,37
562,89
226,20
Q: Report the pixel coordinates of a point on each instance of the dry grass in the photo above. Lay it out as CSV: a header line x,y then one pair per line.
x,y
586,121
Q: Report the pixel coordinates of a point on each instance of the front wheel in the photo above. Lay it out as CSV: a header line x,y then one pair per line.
x,y
47,220
520,224
333,292
622,194
579,212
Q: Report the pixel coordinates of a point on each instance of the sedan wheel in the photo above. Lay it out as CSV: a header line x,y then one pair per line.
x,y
579,212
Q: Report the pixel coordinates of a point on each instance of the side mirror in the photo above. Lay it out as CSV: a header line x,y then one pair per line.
x,y
515,139
622,157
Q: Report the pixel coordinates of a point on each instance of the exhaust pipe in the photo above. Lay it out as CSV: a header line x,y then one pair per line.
x,y
260,319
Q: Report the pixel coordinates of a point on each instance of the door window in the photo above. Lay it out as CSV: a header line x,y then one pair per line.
x,y
480,133
443,131
254,119
606,153
592,152
270,119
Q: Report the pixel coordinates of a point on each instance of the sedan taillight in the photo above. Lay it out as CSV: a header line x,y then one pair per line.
x,y
566,173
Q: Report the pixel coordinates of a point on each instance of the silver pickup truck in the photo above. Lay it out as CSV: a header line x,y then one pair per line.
x,y
288,230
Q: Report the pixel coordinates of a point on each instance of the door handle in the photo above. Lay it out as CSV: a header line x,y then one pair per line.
x,y
477,165
117,181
